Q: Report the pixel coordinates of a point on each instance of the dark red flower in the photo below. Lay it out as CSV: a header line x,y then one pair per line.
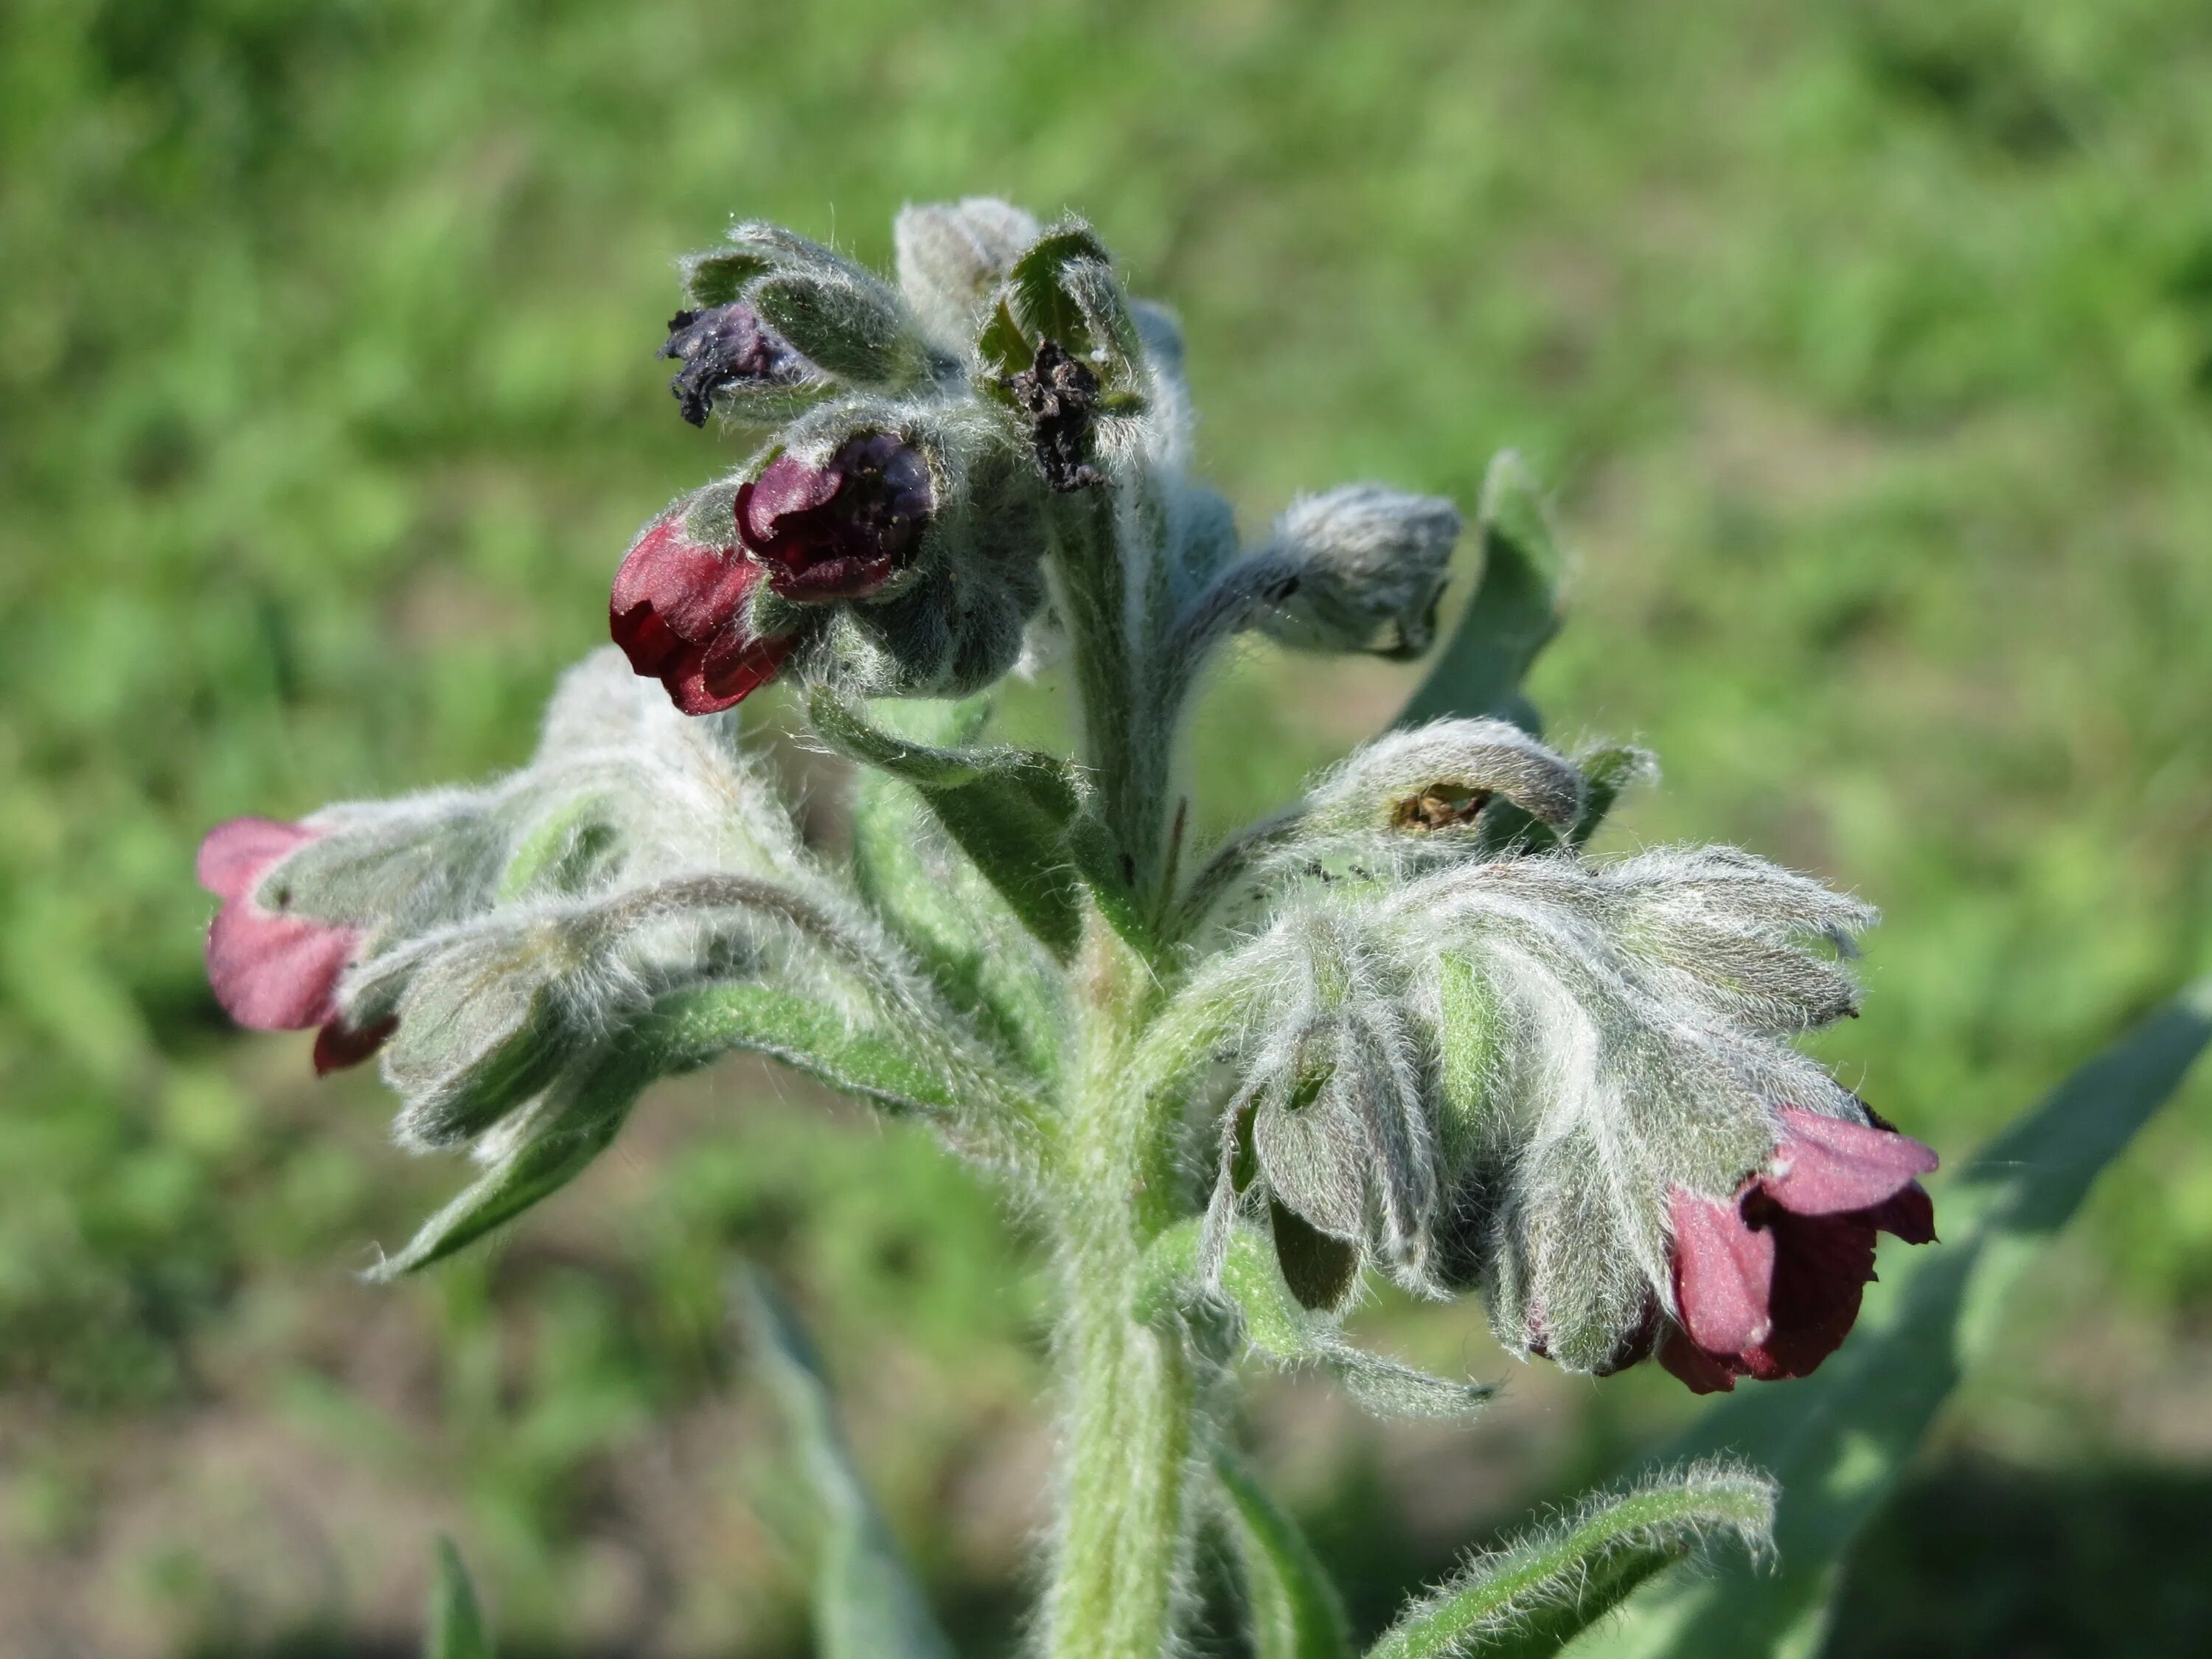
x,y
1767,1284
273,970
680,613
723,347
839,531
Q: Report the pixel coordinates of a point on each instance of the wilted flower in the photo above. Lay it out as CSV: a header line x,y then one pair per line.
x,y
841,530
1767,1283
723,347
682,612
271,970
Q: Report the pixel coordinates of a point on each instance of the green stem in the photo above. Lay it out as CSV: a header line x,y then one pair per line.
x,y
1108,633
1129,1390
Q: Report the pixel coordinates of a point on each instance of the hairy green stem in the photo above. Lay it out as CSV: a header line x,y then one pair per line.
x,y
1129,1388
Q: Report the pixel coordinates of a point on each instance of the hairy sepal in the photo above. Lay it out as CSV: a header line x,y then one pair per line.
x,y
1237,1266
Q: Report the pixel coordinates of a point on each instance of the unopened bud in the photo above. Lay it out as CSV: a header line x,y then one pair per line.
x,y
952,254
1370,564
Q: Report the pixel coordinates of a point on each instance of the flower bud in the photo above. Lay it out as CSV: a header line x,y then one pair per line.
x,y
1370,564
726,351
841,530
682,612
1767,1282
952,254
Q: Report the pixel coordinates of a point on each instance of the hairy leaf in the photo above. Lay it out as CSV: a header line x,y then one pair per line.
x,y
866,1605
1838,1440
1532,1596
1512,616
457,1626
1018,814
943,909
1294,1612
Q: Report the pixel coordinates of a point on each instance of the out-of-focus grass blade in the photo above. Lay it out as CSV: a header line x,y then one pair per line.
x,y
1512,616
457,1626
1532,1596
1837,1441
1294,1612
866,1605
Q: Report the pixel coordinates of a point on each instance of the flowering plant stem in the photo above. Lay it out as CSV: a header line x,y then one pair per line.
x,y
1128,1388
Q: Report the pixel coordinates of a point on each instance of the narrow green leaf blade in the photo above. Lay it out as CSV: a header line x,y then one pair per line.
x,y
1512,616
866,1605
1531,1597
562,1134
457,1626
1296,1612
1838,1440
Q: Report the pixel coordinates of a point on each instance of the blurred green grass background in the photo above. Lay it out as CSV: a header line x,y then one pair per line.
x,y
1868,348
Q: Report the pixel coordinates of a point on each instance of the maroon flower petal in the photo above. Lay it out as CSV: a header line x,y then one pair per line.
x,y
1723,1271
1699,1371
679,611
786,487
338,1046
1829,1166
1911,1215
838,532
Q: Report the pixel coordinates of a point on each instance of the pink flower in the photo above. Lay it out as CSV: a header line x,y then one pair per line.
x,y
680,611
839,531
1767,1284
272,970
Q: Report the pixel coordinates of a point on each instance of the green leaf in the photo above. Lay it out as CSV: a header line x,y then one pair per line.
x,y
1295,1611
1037,289
1513,615
1018,814
1839,1439
812,1038
1606,776
943,908
457,1627
866,1605
1002,346
1532,1596
1279,1329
